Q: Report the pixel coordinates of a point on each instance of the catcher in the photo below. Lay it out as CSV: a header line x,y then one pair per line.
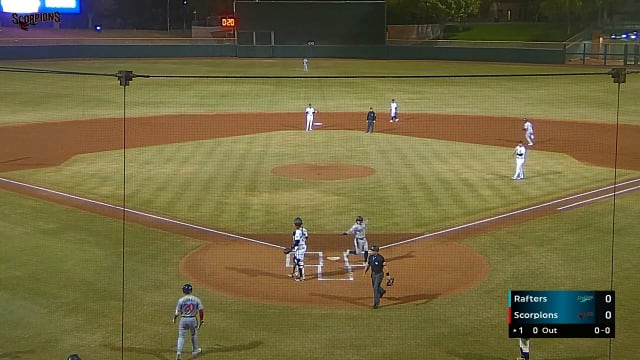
x,y
379,270
299,248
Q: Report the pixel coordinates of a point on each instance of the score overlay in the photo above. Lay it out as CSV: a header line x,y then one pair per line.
x,y
561,314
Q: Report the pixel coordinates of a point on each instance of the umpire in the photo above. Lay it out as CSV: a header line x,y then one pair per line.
x,y
371,120
377,265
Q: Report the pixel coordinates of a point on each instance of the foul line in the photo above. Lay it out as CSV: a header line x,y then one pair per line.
x,y
598,198
140,213
444,231
459,227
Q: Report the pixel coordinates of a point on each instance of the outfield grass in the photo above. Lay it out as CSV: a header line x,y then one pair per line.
x,y
79,282
589,98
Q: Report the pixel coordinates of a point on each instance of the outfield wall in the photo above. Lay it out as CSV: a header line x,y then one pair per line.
x,y
396,52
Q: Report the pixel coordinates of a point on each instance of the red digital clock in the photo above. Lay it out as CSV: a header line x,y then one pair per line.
x,y
228,21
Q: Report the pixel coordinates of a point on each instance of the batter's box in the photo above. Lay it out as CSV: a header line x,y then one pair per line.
x,y
325,270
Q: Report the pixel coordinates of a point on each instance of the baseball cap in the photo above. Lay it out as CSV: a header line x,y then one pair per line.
x,y
375,248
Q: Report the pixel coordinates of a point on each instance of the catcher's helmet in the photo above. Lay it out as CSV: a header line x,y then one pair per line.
x,y
359,218
74,357
297,221
187,288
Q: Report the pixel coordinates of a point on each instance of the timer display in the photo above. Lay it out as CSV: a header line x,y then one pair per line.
x,y
228,21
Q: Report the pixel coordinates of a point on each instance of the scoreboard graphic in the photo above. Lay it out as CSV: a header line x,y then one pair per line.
x,y
561,314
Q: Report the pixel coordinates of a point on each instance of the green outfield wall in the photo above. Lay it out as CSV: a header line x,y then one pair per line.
x,y
395,52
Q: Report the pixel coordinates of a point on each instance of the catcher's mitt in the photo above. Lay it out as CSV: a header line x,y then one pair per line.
x,y
391,281
286,250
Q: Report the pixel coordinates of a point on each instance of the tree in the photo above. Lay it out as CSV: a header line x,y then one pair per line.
x,y
458,10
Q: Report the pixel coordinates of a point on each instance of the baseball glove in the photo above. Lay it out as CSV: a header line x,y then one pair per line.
x,y
391,281
286,250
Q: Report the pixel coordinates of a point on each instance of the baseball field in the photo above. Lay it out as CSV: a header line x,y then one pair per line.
x,y
113,197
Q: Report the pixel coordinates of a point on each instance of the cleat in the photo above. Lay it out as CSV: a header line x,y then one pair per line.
x,y
197,352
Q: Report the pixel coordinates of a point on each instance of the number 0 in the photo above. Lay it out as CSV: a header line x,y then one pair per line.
x,y
607,298
607,315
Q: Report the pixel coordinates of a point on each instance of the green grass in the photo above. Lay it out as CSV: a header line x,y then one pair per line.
x,y
543,32
68,292
78,282
192,181
61,97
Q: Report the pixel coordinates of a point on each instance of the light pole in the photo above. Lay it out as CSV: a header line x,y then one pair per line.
x,y
168,17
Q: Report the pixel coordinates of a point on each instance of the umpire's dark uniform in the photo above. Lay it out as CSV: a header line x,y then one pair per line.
x,y
376,263
371,119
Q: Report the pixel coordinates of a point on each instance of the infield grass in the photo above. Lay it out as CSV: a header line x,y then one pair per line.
x,y
201,181
74,281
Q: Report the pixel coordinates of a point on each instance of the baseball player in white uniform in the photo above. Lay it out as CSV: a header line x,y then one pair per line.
x,y
524,348
310,112
299,247
393,107
528,131
520,153
188,309
305,64
359,230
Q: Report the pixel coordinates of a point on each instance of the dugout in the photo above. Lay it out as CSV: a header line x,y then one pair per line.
x,y
298,22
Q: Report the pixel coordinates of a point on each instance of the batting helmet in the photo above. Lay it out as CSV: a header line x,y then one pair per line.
x,y
359,218
74,357
297,221
187,288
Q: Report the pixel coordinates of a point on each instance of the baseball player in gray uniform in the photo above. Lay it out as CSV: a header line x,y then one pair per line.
x,y
528,131
359,230
520,152
299,248
188,309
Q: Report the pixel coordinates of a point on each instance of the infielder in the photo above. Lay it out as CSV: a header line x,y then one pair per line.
x,y
305,64
188,309
360,243
520,152
528,129
299,248
310,112
393,108
524,348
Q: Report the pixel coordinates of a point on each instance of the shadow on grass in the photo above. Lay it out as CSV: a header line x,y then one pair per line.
x,y
418,299
474,356
161,353
15,354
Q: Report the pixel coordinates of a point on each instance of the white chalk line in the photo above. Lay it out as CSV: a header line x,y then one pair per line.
x,y
598,198
319,266
202,228
140,213
493,218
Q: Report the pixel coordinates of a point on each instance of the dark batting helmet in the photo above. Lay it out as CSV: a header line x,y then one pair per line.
x,y
359,218
187,288
74,357
297,221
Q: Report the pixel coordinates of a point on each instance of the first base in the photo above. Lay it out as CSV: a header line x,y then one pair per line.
x,y
317,124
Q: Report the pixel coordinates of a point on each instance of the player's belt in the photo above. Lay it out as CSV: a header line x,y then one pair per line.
x,y
360,238
188,316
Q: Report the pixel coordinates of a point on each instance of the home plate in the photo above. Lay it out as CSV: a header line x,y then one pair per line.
x,y
333,258
317,123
